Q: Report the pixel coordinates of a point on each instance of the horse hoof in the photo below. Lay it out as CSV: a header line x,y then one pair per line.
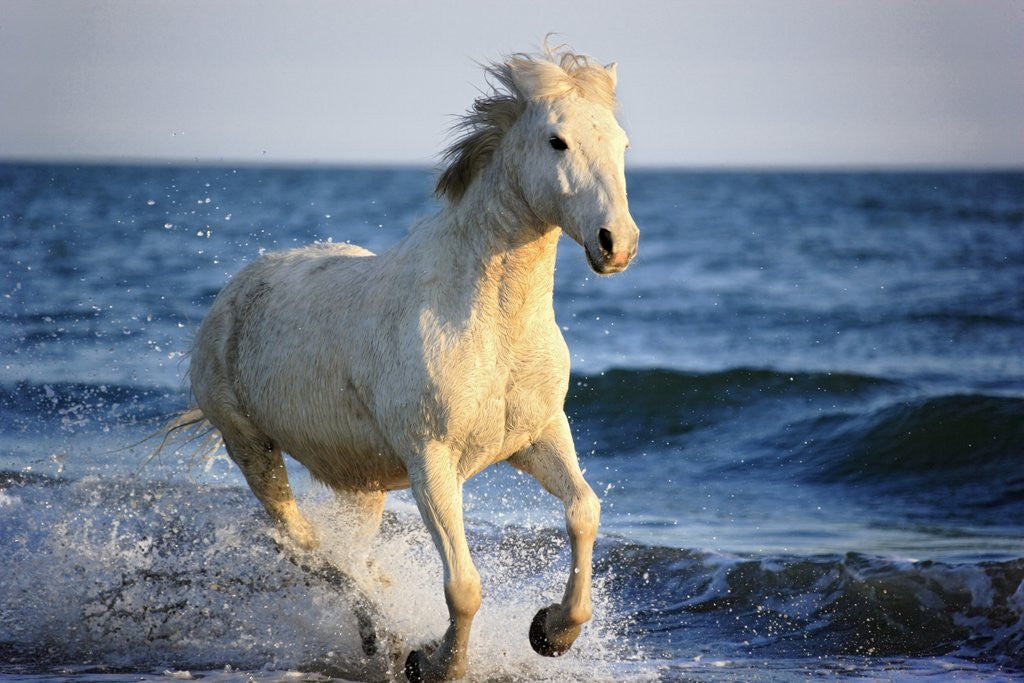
x,y
412,667
539,638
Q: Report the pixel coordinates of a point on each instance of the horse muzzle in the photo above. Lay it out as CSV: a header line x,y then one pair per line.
x,y
614,250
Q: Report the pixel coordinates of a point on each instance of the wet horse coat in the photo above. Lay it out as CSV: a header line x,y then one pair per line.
x,y
423,365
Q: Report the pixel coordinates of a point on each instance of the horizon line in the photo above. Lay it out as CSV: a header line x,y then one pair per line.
x,y
708,167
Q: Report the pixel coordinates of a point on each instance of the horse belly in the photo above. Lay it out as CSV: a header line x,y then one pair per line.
x,y
353,467
338,442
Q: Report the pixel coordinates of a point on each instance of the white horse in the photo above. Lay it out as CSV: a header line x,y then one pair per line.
x,y
421,366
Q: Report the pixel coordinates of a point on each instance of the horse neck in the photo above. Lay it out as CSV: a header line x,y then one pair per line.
x,y
502,257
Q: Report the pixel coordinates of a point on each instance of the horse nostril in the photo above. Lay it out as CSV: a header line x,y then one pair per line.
x,y
604,238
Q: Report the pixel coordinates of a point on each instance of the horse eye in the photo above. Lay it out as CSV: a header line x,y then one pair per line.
x,y
557,143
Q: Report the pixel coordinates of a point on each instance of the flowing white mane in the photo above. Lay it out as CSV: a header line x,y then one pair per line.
x,y
521,78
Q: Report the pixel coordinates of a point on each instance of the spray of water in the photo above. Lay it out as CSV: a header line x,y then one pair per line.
x,y
150,576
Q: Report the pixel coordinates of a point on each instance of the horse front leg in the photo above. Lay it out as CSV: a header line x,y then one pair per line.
x,y
438,492
551,460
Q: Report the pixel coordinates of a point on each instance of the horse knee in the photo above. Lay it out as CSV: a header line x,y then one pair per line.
x,y
463,594
583,515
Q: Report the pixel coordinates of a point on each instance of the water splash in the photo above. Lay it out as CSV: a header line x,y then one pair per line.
x,y
146,576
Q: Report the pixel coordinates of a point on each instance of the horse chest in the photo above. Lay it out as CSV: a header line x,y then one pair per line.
x,y
516,408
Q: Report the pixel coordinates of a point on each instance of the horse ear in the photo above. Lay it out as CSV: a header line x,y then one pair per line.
x,y
524,76
612,70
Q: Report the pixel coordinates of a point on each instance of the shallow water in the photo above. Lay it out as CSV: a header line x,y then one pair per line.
x,y
802,407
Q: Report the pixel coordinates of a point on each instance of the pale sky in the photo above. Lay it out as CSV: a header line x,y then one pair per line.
x,y
701,83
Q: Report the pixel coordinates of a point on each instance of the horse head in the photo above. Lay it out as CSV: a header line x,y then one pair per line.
x,y
550,125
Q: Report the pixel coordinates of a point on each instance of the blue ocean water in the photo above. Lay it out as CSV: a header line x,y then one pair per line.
x,y
802,407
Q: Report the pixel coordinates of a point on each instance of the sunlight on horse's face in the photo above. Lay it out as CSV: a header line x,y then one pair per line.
x,y
573,176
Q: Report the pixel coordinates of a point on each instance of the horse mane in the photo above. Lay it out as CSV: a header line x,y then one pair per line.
x,y
521,78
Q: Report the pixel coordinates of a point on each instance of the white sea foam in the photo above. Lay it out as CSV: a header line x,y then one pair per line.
x,y
148,576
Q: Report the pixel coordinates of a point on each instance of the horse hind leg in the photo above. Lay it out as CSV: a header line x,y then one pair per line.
x,y
263,467
264,470
359,515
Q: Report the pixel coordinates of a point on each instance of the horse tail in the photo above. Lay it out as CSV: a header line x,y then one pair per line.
x,y
189,426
